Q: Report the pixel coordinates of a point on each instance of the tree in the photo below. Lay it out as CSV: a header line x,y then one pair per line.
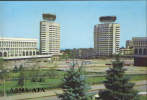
x,y
117,84
68,54
21,77
20,67
74,85
52,73
2,69
36,76
15,69
3,74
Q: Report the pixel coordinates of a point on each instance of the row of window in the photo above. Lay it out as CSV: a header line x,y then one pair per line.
x,y
17,44
6,54
141,51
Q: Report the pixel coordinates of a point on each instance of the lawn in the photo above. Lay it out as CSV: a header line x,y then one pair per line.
x,y
143,97
55,82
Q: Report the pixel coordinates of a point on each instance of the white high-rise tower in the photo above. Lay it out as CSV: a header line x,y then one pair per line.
x,y
49,35
107,36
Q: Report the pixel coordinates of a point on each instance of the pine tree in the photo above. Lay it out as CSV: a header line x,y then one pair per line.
x,y
20,67
74,85
15,69
117,84
21,77
2,69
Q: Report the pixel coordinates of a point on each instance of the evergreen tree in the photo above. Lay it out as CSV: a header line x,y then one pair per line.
x,y
2,69
21,77
20,67
51,73
15,69
34,74
117,84
74,85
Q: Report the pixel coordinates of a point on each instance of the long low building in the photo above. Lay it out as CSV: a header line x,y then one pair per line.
x,y
13,47
27,57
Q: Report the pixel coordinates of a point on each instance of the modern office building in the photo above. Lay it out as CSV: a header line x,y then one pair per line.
x,y
107,36
13,47
49,35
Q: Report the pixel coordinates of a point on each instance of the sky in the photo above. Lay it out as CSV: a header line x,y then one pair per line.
x,y
77,19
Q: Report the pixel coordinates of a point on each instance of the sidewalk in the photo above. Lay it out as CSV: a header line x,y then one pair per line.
x,y
53,92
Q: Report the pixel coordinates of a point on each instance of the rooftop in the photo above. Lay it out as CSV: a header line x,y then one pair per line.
x,y
139,39
17,39
107,18
50,17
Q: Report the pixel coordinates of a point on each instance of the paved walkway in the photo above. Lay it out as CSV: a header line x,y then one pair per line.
x,y
53,92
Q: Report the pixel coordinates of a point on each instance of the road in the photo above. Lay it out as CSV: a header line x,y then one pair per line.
x,y
51,95
55,97
140,87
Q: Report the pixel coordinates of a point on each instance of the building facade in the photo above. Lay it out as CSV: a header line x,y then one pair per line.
x,y
107,36
140,45
126,51
140,51
49,35
13,47
129,44
84,53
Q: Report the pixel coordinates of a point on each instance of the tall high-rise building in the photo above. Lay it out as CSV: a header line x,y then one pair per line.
x,y
107,36
49,35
